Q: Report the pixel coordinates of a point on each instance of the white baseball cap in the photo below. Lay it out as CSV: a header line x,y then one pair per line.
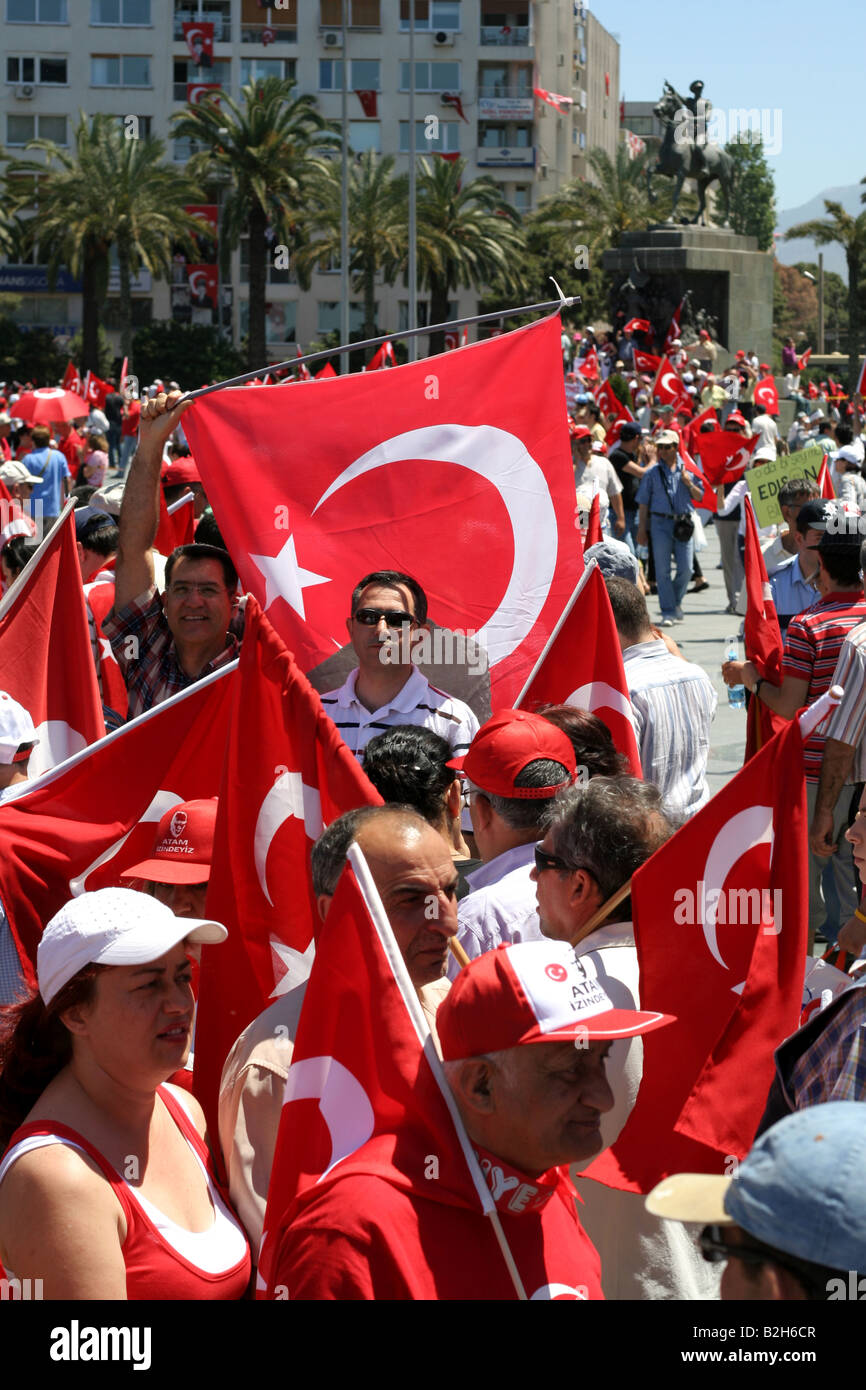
x,y
16,730
113,926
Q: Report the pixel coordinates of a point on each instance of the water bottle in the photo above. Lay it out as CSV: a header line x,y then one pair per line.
x,y
643,553
736,693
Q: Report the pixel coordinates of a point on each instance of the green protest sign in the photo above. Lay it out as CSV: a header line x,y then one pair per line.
x,y
766,481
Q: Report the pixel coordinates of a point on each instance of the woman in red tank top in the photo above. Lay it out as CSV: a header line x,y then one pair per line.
x,y
107,1188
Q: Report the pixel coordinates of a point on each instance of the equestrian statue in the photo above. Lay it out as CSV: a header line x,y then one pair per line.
x,y
685,151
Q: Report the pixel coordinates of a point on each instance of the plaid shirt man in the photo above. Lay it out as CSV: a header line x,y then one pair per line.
x,y
834,1067
154,673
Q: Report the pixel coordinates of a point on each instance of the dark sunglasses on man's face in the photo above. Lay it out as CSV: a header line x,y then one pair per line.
x,y
543,861
371,617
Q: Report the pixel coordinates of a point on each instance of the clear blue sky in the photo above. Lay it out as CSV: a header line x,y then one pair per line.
x,y
801,57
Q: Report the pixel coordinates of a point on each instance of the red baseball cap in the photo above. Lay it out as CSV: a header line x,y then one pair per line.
x,y
735,418
532,992
740,352
181,471
184,845
504,746
581,432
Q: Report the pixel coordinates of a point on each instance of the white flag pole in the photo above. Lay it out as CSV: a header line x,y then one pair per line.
x,y
419,1022
820,710
555,633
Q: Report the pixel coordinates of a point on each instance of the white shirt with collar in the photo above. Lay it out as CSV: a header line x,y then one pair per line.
x,y
501,907
417,702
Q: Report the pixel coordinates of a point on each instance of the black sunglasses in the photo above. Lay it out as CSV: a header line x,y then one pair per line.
x,y
715,1251
543,861
371,617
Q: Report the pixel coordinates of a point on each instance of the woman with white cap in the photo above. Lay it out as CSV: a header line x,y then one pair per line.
x,y
106,1187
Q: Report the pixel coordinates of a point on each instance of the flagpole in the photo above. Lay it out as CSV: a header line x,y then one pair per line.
x,y
419,1022
344,194
377,342
413,237
555,633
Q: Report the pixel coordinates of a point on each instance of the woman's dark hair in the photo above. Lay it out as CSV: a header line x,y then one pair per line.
x,y
594,749
35,1045
17,552
406,764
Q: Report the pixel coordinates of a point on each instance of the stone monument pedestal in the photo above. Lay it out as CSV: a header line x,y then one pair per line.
x,y
726,273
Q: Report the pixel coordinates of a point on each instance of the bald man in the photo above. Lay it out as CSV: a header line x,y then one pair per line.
x,y
412,869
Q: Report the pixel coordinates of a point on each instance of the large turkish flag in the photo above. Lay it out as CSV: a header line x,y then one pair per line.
x,y
762,638
81,825
456,469
721,913
287,773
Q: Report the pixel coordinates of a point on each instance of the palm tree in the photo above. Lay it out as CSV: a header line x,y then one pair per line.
x,y
105,191
377,226
596,215
850,233
266,152
468,235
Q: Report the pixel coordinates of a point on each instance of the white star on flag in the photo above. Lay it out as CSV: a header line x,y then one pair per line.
x,y
284,578
290,967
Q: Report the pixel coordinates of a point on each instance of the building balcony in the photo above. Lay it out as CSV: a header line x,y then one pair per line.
x,y
506,35
505,157
252,33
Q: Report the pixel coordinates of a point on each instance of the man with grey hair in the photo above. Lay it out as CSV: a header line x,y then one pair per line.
x,y
598,834
417,882
515,766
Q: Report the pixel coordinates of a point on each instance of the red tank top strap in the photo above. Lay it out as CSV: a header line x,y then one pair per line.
x,y
61,1131
182,1118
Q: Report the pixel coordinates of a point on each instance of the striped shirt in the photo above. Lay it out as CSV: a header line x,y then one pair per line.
x,y
417,702
154,673
848,721
834,1067
812,646
673,703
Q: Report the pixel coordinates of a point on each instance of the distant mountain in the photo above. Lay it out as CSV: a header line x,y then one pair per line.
x,y
802,250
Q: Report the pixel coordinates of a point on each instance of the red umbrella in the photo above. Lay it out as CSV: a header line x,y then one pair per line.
x,y
49,403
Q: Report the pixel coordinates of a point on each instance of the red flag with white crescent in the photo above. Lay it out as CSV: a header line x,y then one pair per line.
x,y
439,469
725,455
721,918
766,395
583,666
709,501
197,92
198,35
762,638
638,326
99,598
803,361
860,388
668,387
95,390
587,366
287,774
645,362
81,825
72,380
45,655
610,404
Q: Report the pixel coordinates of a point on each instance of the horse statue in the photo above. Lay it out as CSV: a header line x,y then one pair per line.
x,y
689,158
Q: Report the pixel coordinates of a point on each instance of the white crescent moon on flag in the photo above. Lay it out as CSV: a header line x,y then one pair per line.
x,y
753,826
287,797
343,1102
553,1291
505,462
666,379
599,695
198,281
162,802
57,742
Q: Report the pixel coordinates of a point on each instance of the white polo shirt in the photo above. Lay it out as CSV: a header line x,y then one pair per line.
x,y
418,703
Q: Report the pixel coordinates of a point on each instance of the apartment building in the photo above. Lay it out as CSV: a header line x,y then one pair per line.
x,y
476,65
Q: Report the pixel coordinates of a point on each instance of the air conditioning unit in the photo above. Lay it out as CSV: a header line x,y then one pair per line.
x,y
332,39
25,93
544,171
442,39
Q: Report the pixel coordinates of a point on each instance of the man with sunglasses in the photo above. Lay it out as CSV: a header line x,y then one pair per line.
x,y
791,1222
387,688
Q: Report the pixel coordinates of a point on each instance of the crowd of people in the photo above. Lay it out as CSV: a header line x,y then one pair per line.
x,y
501,853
